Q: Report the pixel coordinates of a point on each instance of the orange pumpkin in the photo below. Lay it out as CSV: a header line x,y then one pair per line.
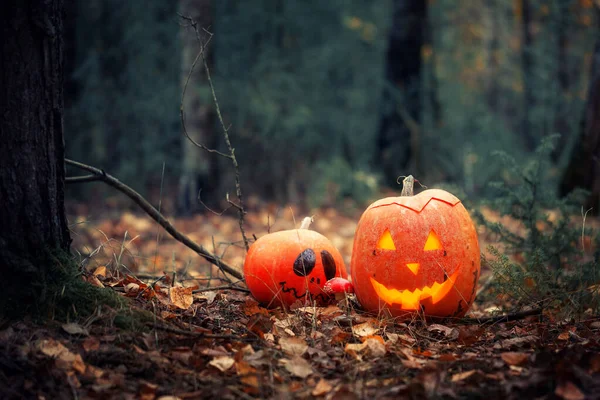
x,y
284,267
416,253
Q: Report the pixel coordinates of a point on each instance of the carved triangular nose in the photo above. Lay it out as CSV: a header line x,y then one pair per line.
x,y
414,267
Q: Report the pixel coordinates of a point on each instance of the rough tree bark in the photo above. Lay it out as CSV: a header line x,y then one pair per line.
x,y
198,167
32,215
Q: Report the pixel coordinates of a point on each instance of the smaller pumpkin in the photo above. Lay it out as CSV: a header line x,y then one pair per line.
x,y
284,267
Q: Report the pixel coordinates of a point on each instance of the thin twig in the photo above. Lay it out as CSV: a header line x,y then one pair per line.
x,y
195,334
223,287
231,155
181,110
162,179
500,318
81,179
101,175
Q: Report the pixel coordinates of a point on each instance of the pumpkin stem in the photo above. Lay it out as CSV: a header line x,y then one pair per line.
x,y
408,185
306,223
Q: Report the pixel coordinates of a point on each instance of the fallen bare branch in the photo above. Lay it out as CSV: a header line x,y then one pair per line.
x,y
101,175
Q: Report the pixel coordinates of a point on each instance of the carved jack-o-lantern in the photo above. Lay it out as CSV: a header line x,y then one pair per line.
x,y
284,267
416,253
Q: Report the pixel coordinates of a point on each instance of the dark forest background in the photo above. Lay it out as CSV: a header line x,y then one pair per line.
x,y
332,100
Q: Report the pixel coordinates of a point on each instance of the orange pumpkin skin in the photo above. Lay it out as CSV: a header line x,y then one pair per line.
x,y
416,253
284,267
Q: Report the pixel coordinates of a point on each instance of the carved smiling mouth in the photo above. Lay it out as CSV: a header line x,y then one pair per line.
x,y
410,300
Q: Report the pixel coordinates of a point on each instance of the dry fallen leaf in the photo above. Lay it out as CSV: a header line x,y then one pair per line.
x,y
368,328
247,373
100,271
568,391
375,346
297,366
208,296
293,346
147,390
94,281
514,358
51,347
372,346
518,341
444,331
222,363
323,387
75,329
181,297
132,287
461,376
91,344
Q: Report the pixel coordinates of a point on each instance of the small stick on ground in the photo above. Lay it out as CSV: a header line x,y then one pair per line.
x,y
223,287
196,334
500,318
100,175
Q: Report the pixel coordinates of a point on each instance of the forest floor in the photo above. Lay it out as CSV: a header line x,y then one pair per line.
x,y
207,342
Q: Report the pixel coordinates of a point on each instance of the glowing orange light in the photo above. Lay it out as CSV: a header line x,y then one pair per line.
x,y
386,242
409,300
433,242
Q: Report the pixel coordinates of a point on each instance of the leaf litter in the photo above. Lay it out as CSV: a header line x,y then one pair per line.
x,y
223,344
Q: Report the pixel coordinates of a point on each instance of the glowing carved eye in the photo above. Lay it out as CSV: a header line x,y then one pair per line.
x,y
433,242
386,242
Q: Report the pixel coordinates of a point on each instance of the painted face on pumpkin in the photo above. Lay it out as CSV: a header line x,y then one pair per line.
x,y
417,253
303,267
435,285
284,267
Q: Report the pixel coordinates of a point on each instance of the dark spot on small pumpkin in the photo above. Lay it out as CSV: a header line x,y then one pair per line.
x,y
305,262
312,279
328,264
318,281
374,252
472,263
445,253
445,276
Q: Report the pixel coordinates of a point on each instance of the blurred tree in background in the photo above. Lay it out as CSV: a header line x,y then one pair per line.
x,y
302,82
199,170
329,100
124,83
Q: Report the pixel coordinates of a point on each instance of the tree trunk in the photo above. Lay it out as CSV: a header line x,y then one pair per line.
x,y
527,65
198,167
584,168
32,215
399,132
